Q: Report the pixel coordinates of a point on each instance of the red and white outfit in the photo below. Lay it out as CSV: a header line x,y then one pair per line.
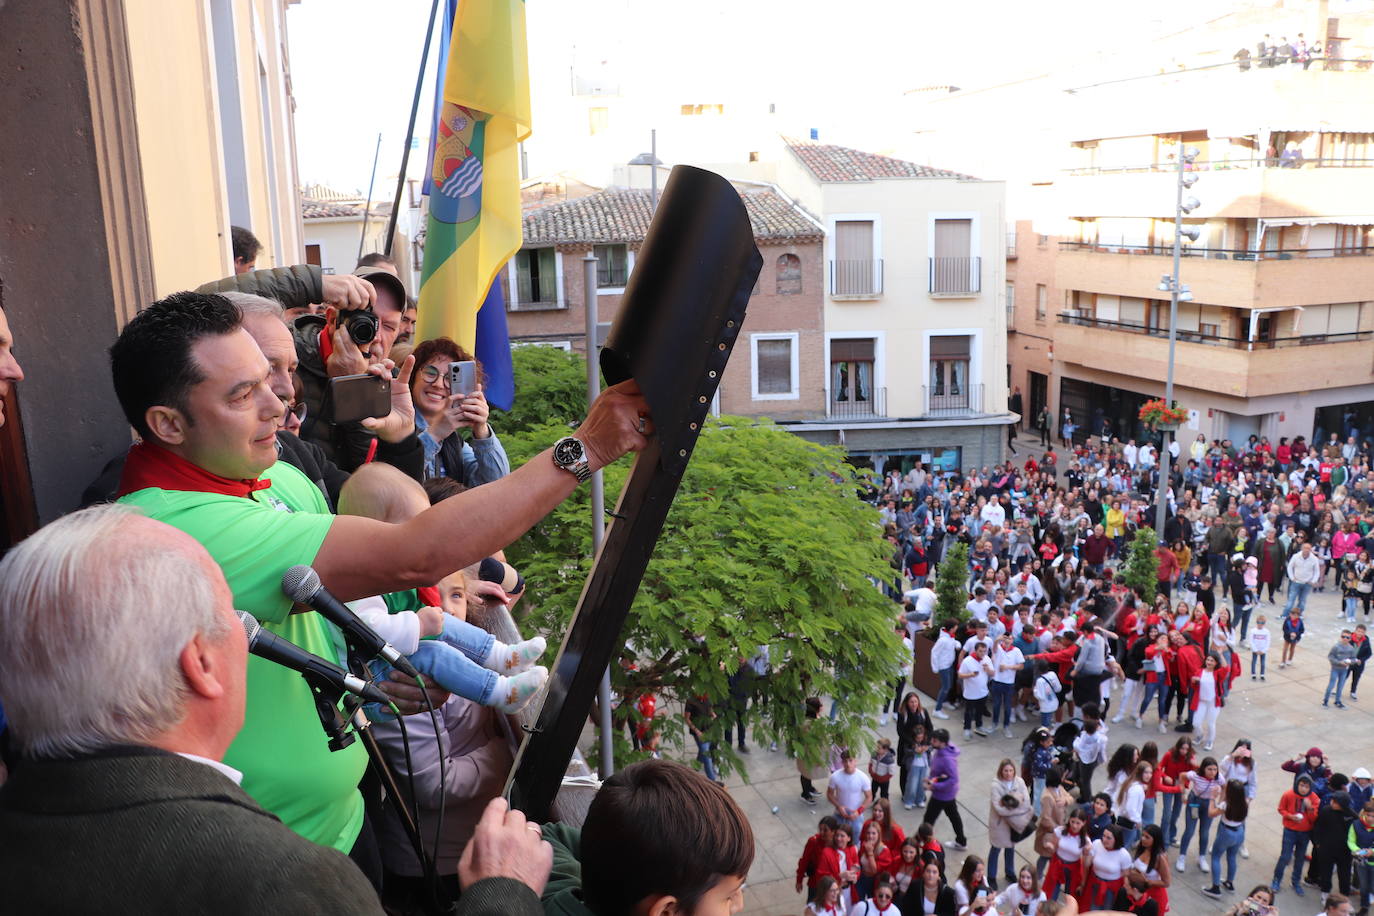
x,y
1066,866
1206,703
1106,875
1160,895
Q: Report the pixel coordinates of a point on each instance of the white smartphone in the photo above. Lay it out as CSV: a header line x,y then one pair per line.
x,y
462,377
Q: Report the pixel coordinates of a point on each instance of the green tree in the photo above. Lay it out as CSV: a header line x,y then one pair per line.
x,y
551,386
951,588
1141,571
765,545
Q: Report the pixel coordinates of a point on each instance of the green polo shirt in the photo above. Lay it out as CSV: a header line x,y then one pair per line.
x,y
282,751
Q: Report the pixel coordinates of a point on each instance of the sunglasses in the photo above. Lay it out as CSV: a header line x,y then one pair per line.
x,y
297,410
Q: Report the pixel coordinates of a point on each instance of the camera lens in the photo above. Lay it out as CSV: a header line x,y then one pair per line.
x,y
362,326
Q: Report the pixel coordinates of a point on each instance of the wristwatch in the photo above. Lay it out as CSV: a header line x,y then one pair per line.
x,y
569,455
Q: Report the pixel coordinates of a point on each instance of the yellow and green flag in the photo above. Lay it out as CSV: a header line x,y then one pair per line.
x,y
482,112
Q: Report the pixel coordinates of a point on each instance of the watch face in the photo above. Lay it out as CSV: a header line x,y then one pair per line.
x,y
567,451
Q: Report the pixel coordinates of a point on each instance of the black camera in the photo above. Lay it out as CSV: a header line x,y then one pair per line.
x,y
362,325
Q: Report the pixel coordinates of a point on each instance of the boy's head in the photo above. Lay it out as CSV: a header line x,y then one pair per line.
x,y
381,492
662,840
1261,620
884,744
847,760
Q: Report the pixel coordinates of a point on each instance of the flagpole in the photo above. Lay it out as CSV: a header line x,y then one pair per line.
x,y
410,133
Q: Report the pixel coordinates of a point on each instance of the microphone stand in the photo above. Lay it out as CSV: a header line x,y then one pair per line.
x,y
357,663
327,698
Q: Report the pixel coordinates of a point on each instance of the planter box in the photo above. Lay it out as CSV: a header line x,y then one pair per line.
x,y
923,677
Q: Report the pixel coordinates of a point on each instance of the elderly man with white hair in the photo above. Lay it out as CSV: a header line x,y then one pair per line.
x,y
122,671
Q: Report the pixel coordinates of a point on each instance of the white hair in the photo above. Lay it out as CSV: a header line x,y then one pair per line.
x,y
250,304
93,619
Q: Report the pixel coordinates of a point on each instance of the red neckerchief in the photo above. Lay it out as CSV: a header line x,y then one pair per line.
x,y
326,346
429,595
149,465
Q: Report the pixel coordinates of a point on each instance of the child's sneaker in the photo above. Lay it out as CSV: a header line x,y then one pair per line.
x,y
512,693
504,659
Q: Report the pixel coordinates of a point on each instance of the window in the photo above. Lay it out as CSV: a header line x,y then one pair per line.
x,y
598,119
853,273
1011,303
536,276
851,371
312,255
1042,302
612,266
1352,238
953,269
1209,330
1042,241
949,370
775,366
789,275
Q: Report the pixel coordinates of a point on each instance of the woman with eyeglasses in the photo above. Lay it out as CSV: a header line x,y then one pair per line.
x,y
441,414
880,904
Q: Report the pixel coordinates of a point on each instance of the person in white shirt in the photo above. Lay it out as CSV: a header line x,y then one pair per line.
x,y
1090,748
1304,572
1130,453
1023,897
943,656
978,605
922,607
1006,661
850,792
1130,802
994,514
974,672
1106,865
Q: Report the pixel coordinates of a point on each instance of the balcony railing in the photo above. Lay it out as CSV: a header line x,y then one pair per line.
x,y
1222,165
846,405
1214,340
1218,254
1011,244
956,275
948,401
856,278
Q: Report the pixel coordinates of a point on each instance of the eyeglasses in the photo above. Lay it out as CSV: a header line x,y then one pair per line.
x,y
432,374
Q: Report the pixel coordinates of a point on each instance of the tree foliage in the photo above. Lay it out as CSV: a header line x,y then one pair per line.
x,y
1141,571
765,545
951,588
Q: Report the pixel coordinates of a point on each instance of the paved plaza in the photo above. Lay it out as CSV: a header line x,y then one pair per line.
x,y
1282,716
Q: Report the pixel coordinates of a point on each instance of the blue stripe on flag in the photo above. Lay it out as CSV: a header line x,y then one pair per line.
x,y
493,347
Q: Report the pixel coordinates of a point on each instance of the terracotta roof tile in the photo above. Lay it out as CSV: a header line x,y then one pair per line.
x,y
623,215
320,209
840,163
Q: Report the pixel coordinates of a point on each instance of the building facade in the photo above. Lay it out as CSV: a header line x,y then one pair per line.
x,y
1278,255
915,330
149,129
776,368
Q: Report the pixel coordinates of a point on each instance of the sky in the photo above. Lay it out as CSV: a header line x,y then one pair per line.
x,y
354,62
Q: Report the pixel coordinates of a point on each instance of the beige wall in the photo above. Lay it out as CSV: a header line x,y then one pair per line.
x,y
1242,193
171,49
1240,284
338,241
905,314
1029,339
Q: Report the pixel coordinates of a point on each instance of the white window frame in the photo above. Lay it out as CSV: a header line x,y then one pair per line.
x,y
629,269
564,345
975,353
877,220
795,393
975,248
513,279
879,339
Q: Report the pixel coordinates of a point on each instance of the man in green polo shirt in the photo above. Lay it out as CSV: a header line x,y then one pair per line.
x,y
194,384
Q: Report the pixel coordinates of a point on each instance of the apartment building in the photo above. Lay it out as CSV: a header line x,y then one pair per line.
x,y
915,333
777,366
1278,255
148,129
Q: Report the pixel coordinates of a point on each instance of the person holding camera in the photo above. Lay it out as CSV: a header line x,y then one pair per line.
x,y
443,409
361,321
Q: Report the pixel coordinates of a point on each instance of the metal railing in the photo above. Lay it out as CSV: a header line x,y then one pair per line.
x,y
1011,243
856,278
847,405
956,275
1218,254
947,401
1214,340
1223,165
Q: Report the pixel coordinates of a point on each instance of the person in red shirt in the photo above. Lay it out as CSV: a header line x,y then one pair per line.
x,y
840,860
1168,569
808,866
1176,762
1298,808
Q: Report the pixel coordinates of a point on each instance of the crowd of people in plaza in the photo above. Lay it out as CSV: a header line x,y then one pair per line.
x,y
155,760
1051,636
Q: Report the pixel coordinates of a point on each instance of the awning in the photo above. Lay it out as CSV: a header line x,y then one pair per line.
x,y
1359,219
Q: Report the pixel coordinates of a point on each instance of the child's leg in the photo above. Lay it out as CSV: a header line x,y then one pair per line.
x,y
456,673
487,651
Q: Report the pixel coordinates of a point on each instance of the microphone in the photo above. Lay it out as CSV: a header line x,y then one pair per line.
x,y
302,585
289,655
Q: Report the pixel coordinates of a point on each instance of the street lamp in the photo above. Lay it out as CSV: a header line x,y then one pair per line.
x,y
1178,292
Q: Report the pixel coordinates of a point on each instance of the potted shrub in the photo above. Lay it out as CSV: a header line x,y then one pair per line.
x,y
1141,569
1156,415
951,603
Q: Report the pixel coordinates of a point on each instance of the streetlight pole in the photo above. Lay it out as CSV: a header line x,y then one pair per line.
x,y
1176,291
598,501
